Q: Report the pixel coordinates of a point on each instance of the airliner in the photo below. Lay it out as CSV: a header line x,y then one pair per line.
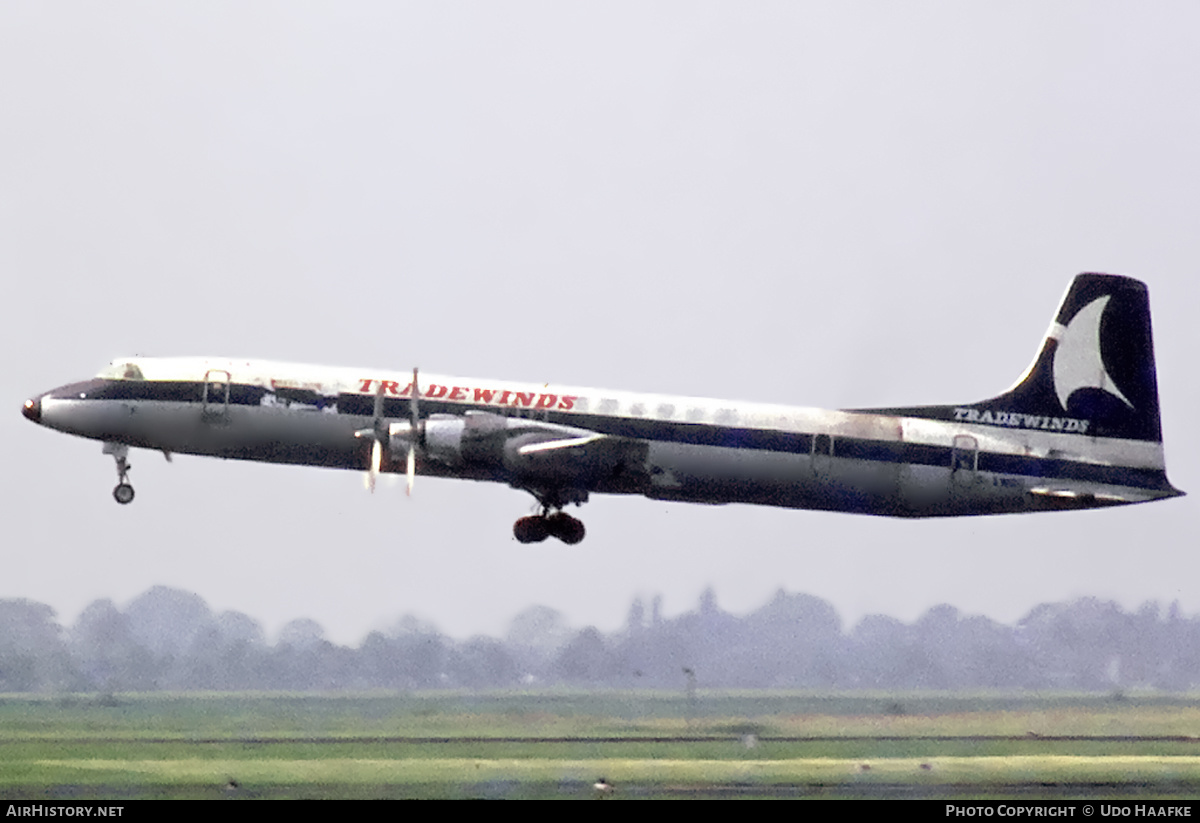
x,y
1079,429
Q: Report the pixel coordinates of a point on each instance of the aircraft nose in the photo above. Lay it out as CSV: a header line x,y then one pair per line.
x,y
33,409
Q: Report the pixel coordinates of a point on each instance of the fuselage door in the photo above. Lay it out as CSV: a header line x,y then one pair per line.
x,y
822,455
964,459
216,397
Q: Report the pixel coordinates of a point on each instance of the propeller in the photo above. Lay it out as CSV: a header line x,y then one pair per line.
x,y
414,421
378,435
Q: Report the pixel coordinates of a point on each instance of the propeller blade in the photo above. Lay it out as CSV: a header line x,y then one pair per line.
x,y
376,460
378,435
413,411
412,467
378,412
415,418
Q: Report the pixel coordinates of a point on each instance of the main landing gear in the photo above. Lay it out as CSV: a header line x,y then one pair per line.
x,y
123,493
536,528
551,521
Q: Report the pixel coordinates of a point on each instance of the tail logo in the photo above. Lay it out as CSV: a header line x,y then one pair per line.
x,y
1078,363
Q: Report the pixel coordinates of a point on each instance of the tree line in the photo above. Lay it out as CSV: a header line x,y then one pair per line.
x,y
168,639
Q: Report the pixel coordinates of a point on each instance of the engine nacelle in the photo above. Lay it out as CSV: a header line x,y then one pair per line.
x,y
527,452
455,440
444,437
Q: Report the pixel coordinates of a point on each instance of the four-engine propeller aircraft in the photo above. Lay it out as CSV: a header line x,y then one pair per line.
x,y
1080,429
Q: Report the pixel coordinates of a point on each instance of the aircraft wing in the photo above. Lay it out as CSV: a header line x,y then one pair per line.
x,y
549,455
531,453
559,444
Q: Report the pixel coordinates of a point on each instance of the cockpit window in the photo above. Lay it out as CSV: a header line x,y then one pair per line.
x,y
122,371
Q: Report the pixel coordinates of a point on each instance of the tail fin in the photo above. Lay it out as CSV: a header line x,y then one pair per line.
x,y
1093,375
1095,369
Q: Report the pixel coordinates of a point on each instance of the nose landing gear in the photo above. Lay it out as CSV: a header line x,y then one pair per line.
x,y
123,493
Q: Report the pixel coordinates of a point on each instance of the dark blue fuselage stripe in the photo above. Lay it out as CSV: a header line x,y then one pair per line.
x,y
698,434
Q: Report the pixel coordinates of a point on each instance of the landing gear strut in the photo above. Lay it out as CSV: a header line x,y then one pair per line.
x,y
551,521
123,493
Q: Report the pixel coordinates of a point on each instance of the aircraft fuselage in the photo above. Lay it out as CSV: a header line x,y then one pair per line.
x,y
677,448
1080,429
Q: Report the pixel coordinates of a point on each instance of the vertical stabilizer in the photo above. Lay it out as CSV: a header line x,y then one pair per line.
x,y
1095,368
1093,374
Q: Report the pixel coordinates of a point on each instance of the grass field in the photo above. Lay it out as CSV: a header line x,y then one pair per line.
x,y
556,744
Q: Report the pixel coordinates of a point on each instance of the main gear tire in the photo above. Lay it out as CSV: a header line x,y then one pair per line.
x,y
531,530
566,528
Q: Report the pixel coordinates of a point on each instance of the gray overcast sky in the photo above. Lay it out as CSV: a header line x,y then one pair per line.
x,y
823,204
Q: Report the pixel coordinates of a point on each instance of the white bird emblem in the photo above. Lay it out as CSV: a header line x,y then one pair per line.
x,y
1077,361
